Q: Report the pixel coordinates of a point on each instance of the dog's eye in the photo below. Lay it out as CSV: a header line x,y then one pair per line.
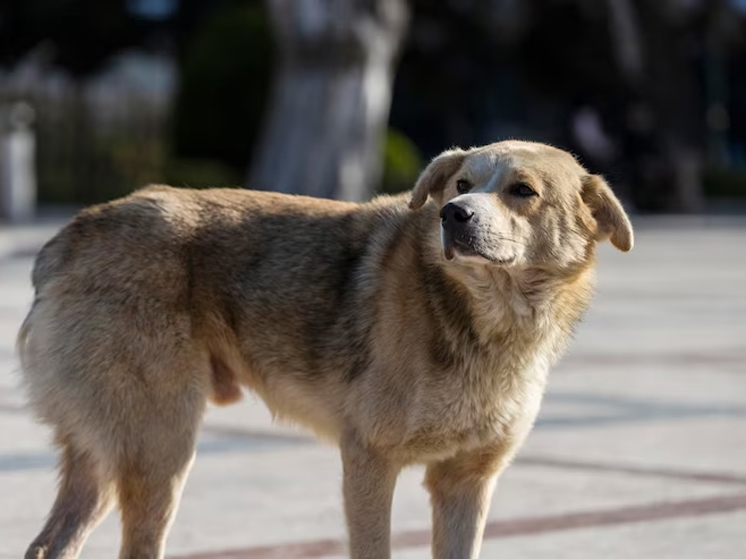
x,y
522,190
463,186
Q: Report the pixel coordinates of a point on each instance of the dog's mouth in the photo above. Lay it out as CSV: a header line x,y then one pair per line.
x,y
457,250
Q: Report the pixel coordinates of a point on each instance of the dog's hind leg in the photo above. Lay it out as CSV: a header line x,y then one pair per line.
x,y
152,477
84,498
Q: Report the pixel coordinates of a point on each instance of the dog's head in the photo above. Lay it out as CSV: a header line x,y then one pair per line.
x,y
520,204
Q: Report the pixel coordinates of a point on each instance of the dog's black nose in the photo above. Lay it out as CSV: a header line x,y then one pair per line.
x,y
455,213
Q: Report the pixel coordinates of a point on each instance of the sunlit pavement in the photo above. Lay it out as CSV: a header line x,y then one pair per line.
x,y
639,451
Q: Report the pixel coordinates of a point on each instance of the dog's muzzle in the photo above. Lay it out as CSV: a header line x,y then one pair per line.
x,y
456,221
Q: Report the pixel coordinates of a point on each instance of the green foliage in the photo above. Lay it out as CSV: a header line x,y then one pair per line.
x,y
402,162
225,76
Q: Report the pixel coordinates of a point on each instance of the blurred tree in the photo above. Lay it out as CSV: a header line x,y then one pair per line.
x,y
331,97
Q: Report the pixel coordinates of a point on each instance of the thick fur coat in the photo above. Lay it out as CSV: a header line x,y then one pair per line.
x,y
410,329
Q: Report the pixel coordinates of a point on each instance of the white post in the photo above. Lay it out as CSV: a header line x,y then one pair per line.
x,y
17,163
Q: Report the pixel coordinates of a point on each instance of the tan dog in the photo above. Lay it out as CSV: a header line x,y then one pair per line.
x,y
405,336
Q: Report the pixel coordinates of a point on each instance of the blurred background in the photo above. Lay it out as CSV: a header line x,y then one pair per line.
x,y
347,98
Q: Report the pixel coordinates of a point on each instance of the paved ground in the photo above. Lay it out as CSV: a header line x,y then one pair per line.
x,y
639,452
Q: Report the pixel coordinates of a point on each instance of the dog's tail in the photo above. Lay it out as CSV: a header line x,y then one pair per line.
x,y
23,337
49,263
37,361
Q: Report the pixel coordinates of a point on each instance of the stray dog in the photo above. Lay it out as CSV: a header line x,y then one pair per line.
x,y
407,333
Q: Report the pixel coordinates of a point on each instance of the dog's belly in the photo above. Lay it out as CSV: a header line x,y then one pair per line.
x,y
310,405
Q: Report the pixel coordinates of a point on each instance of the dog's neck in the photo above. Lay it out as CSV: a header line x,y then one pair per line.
x,y
540,304
539,307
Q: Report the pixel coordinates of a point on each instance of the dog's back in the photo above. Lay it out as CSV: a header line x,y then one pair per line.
x,y
148,279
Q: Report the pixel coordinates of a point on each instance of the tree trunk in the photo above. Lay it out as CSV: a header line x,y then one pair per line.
x,y
331,98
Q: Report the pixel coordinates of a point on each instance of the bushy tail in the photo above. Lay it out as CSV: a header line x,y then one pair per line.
x,y
22,349
49,263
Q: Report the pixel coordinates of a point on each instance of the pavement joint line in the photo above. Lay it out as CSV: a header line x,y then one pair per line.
x,y
662,472
579,360
678,297
12,409
656,511
638,404
262,440
681,359
236,439
242,432
613,420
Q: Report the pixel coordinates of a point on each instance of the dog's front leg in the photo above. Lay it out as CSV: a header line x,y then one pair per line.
x,y
369,480
460,490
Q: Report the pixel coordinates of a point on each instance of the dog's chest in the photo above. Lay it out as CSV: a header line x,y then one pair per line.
x,y
494,400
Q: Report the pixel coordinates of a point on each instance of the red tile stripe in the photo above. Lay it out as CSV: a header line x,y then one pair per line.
x,y
672,473
507,528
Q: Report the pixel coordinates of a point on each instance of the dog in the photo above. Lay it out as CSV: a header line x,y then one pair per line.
x,y
411,329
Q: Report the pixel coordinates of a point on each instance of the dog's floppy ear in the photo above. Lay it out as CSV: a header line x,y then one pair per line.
x,y
435,175
610,217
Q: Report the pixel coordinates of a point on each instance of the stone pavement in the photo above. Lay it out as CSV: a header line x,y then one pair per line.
x,y
639,451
